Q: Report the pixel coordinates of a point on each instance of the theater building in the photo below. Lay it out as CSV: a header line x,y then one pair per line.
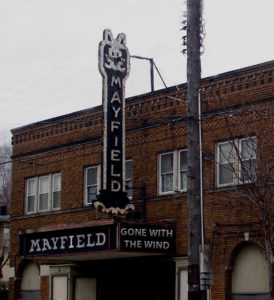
x,y
63,247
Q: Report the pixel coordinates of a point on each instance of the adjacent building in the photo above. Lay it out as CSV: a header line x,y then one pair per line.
x,y
62,247
4,249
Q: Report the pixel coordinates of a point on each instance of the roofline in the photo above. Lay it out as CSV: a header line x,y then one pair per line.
x,y
79,112
235,72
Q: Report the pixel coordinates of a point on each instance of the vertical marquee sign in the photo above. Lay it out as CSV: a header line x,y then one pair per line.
x,y
114,67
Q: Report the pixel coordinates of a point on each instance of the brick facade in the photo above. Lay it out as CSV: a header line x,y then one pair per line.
x,y
234,103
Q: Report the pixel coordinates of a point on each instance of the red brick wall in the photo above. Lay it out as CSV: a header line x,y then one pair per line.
x,y
155,123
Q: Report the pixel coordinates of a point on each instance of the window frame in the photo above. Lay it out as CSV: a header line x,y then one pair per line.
x,y
176,172
179,170
98,183
34,179
219,164
36,206
236,164
52,191
40,193
6,237
161,192
129,179
244,160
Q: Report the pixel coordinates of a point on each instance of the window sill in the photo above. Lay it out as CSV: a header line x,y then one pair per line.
x,y
233,187
53,212
168,196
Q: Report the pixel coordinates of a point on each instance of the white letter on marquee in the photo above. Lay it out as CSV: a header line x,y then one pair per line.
x,y
46,245
115,80
35,243
115,155
115,97
101,239
115,186
116,111
112,172
115,125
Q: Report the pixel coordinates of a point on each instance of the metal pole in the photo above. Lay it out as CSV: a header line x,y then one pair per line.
x,y
152,73
201,172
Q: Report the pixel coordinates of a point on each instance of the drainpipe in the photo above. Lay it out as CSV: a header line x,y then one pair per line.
x,y
201,171
204,271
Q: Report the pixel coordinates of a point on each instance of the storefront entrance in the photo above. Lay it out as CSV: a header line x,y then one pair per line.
x,y
30,284
134,279
85,288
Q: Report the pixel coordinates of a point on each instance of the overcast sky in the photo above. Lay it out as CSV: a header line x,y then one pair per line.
x,y
49,49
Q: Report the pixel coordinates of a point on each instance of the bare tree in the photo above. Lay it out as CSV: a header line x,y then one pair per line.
x,y
247,161
5,175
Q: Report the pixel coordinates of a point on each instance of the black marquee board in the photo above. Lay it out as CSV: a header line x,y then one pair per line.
x,y
122,237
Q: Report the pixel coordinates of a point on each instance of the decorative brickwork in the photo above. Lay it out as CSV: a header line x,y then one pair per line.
x,y
233,103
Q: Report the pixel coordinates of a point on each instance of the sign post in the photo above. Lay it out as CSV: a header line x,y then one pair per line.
x,y
114,66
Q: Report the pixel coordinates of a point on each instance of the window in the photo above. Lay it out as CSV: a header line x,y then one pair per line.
x,y
173,172
56,191
31,195
92,179
128,178
93,182
226,159
167,173
236,161
248,159
43,193
183,170
6,242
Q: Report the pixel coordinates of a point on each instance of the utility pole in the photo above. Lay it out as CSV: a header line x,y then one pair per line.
x,y
193,195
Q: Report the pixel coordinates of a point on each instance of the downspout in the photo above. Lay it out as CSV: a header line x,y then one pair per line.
x,y
203,267
201,172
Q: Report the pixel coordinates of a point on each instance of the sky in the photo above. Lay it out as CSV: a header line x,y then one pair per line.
x,y
49,49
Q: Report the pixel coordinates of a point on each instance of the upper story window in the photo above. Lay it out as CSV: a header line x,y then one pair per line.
x,y
248,159
236,161
56,191
43,193
6,238
128,178
183,170
93,181
173,171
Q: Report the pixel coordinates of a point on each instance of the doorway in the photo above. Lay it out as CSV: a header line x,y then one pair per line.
x,y
85,288
137,279
30,285
250,275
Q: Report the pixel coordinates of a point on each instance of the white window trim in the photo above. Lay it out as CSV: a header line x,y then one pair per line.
x,y
98,182
160,173
179,171
236,164
131,179
240,165
218,165
176,173
27,195
86,203
48,192
52,191
36,194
